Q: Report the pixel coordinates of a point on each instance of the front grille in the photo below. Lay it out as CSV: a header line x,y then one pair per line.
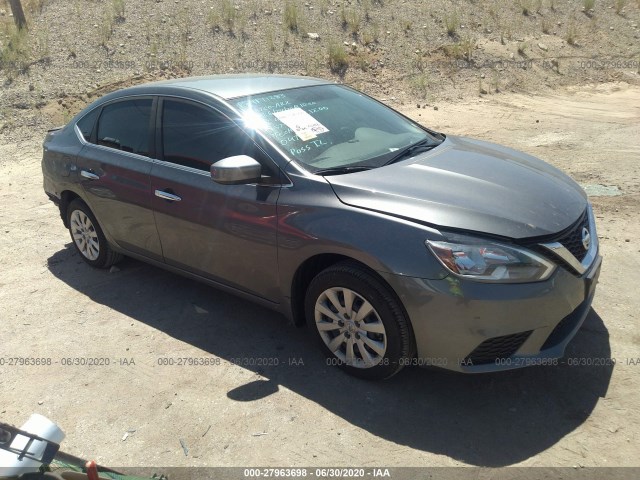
x,y
572,240
496,348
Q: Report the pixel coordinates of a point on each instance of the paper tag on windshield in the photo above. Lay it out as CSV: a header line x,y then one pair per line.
x,y
303,125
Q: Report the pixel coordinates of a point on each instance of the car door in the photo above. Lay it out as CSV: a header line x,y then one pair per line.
x,y
226,233
114,167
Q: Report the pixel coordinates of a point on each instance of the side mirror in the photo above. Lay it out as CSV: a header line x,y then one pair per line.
x,y
236,170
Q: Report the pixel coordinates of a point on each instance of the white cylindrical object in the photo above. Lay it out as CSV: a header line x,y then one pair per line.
x,y
10,465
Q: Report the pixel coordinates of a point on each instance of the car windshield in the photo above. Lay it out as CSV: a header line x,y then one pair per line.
x,y
329,127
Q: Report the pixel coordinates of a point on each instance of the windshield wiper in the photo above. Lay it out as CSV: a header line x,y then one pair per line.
x,y
342,170
424,145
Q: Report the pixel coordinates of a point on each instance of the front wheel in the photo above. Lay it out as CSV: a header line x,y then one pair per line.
x,y
359,322
88,237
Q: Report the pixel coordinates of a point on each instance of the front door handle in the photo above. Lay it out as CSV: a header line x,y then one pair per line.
x,y
168,196
89,175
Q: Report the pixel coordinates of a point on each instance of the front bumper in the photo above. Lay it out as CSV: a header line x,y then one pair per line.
x,y
479,327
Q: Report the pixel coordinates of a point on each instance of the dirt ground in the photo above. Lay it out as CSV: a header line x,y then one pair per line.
x,y
300,412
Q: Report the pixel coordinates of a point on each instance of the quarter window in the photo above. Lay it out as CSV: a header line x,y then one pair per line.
x,y
196,136
125,126
86,123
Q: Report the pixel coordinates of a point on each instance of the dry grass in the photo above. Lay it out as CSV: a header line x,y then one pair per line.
x,y
230,15
522,49
481,90
225,16
526,7
213,20
111,16
495,81
15,53
462,50
530,7
324,7
254,9
106,28
338,58
371,35
420,85
619,6
572,33
452,23
34,6
351,20
183,22
362,61
270,39
118,9
41,47
291,16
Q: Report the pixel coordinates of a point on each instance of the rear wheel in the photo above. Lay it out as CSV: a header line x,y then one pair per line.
x,y
88,238
359,322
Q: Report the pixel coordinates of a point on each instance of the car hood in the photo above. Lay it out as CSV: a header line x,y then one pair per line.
x,y
471,185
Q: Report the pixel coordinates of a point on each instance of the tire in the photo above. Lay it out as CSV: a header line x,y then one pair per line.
x,y
373,338
88,238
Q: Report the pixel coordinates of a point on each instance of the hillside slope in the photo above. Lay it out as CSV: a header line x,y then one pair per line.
x,y
397,50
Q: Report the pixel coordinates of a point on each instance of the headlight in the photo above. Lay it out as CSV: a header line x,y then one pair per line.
x,y
486,261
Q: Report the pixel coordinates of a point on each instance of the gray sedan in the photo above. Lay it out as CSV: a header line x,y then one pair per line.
x,y
395,244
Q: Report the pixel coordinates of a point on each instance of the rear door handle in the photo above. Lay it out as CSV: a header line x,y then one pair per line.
x,y
168,196
89,175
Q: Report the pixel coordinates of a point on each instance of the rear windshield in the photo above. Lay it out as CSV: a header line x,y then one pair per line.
x,y
330,126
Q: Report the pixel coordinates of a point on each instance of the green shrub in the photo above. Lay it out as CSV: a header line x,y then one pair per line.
x,y
338,61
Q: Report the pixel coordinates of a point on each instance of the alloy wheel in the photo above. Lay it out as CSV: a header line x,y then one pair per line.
x,y
350,327
84,235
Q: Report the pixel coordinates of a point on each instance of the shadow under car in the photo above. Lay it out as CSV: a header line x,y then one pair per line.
x,y
492,420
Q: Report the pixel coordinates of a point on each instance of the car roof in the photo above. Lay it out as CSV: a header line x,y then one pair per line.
x,y
233,86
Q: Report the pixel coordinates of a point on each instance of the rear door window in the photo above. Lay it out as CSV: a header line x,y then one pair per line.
x,y
124,126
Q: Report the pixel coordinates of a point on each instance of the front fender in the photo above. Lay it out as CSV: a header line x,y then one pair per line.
x,y
313,221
